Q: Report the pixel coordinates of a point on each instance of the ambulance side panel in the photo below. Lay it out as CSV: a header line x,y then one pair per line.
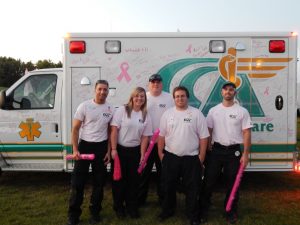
x,y
263,79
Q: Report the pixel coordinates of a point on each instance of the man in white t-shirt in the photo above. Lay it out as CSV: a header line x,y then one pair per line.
x,y
230,126
90,136
183,136
158,102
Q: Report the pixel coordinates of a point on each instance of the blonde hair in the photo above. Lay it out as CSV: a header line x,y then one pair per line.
x,y
129,105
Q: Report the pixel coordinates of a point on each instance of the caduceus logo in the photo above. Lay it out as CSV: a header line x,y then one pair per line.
x,y
230,68
30,129
256,67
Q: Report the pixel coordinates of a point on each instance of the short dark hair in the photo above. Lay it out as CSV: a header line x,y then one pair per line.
x,y
101,82
181,88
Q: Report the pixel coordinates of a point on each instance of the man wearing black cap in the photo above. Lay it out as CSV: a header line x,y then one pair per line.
x,y
230,126
158,102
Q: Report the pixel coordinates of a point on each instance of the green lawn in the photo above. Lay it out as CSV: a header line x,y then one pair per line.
x,y
42,199
2,88
28,198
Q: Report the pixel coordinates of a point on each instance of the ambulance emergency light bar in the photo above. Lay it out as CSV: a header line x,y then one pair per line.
x,y
215,46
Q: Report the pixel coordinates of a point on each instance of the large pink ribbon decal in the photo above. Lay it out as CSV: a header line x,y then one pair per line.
x,y
124,67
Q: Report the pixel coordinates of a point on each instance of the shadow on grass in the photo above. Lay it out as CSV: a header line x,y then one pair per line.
x,y
27,179
272,181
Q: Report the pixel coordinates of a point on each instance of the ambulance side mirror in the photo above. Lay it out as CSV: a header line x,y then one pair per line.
x,y
2,99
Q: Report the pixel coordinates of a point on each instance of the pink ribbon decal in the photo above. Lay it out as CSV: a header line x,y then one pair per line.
x,y
189,49
266,92
124,67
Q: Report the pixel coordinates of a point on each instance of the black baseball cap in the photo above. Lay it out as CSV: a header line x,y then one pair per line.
x,y
154,77
229,84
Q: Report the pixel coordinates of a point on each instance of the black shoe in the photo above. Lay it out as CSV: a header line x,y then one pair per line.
x,y
72,222
94,219
232,218
203,218
163,216
120,214
195,222
141,203
134,214
160,201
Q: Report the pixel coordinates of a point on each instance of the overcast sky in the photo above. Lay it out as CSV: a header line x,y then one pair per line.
x,y
34,29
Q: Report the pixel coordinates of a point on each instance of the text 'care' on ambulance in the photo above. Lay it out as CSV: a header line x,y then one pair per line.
x,y
36,112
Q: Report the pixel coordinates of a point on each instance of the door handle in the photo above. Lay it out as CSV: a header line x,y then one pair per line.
x,y
56,127
279,102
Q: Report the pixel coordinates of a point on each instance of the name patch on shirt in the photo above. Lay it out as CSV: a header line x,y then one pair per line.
x,y
233,116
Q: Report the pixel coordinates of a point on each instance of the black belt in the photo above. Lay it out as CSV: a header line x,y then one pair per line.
x,y
229,147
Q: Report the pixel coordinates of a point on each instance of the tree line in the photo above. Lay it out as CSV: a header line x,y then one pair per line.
x,y
12,69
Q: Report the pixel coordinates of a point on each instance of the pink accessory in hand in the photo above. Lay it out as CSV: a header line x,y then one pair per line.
x,y
235,187
82,157
117,168
148,151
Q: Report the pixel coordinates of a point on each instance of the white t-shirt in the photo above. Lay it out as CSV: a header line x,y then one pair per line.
x,y
228,123
183,130
157,105
131,129
95,119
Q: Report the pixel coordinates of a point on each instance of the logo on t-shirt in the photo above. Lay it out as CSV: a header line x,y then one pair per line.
x,y
106,115
162,105
233,116
187,120
140,120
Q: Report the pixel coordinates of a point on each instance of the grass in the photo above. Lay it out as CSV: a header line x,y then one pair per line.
x,y
3,88
42,199
32,198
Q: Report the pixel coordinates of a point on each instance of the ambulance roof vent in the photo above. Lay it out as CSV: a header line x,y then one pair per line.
x,y
240,46
85,81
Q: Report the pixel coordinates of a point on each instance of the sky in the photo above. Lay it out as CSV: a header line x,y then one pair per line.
x,y
34,29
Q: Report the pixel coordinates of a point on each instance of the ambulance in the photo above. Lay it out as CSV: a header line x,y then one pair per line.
x,y
36,112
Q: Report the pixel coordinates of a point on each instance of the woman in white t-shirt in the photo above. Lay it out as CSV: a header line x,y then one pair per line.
x,y
130,130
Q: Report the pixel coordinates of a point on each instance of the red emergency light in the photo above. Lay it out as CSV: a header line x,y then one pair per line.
x,y
77,47
297,167
277,46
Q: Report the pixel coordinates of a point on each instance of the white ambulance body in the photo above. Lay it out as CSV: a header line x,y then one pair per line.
x,y
36,116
